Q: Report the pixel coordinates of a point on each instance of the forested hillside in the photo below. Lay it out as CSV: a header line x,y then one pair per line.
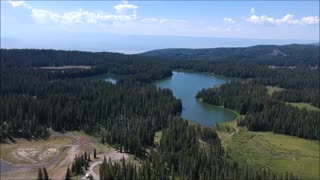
x,y
301,85
135,110
287,55
187,152
263,113
133,66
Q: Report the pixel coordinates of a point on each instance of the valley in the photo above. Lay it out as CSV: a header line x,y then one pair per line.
x,y
149,118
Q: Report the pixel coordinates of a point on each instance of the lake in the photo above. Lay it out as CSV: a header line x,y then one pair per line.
x,y
185,85
111,80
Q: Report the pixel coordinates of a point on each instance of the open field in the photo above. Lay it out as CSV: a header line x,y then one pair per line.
x,y
303,105
279,153
157,137
272,89
65,67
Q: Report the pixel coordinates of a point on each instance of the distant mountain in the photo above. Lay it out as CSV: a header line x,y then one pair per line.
x,y
316,44
286,55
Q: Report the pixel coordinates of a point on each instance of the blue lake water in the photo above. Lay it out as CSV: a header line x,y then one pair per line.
x,y
185,85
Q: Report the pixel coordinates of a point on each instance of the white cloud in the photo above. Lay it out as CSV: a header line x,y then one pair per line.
x,y
78,17
287,19
252,10
120,8
310,20
20,4
161,21
229,20
124,1
88,17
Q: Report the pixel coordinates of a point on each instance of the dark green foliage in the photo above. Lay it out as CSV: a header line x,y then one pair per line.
x,y
180,156
285,78
180,149
79,163
262,112
311,96
133,67
123,170
126,114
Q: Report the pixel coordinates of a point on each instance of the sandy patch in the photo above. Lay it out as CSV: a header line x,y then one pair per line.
x,y
47,154
35,155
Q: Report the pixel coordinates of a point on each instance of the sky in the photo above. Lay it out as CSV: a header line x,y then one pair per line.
x,y
137,26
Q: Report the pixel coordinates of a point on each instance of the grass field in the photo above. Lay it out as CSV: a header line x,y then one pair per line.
x,y
272,89
157,137
98,145
279,153
303,105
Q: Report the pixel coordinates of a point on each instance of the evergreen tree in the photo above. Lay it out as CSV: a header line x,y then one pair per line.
x,y
40,175
68,175
95,153
45,174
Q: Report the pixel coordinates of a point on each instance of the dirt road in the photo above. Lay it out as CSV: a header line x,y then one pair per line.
x,y
230,135
58,172
57,166
112,154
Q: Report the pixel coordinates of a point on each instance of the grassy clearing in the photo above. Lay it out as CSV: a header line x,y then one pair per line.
x,y
98,145
157,137
272,89
279,153
302,105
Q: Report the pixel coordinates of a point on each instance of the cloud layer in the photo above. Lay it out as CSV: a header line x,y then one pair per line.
x,y
125,18
125,12
287,19
228,20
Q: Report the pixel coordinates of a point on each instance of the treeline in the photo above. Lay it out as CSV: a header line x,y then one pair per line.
x,y
123,170
135,67
262,112
80,162
186,152
285,78
43,174
287,55
311,96
302,85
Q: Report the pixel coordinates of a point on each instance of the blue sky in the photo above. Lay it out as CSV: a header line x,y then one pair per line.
x,y
135,26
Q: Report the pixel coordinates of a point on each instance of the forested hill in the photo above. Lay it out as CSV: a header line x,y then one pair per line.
x,y
136,67
48,57
286,55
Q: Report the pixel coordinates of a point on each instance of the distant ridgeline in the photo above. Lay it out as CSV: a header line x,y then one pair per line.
x,y
281,56
46,89
133,66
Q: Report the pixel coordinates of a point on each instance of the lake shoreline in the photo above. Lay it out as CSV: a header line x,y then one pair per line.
x,y
185,84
